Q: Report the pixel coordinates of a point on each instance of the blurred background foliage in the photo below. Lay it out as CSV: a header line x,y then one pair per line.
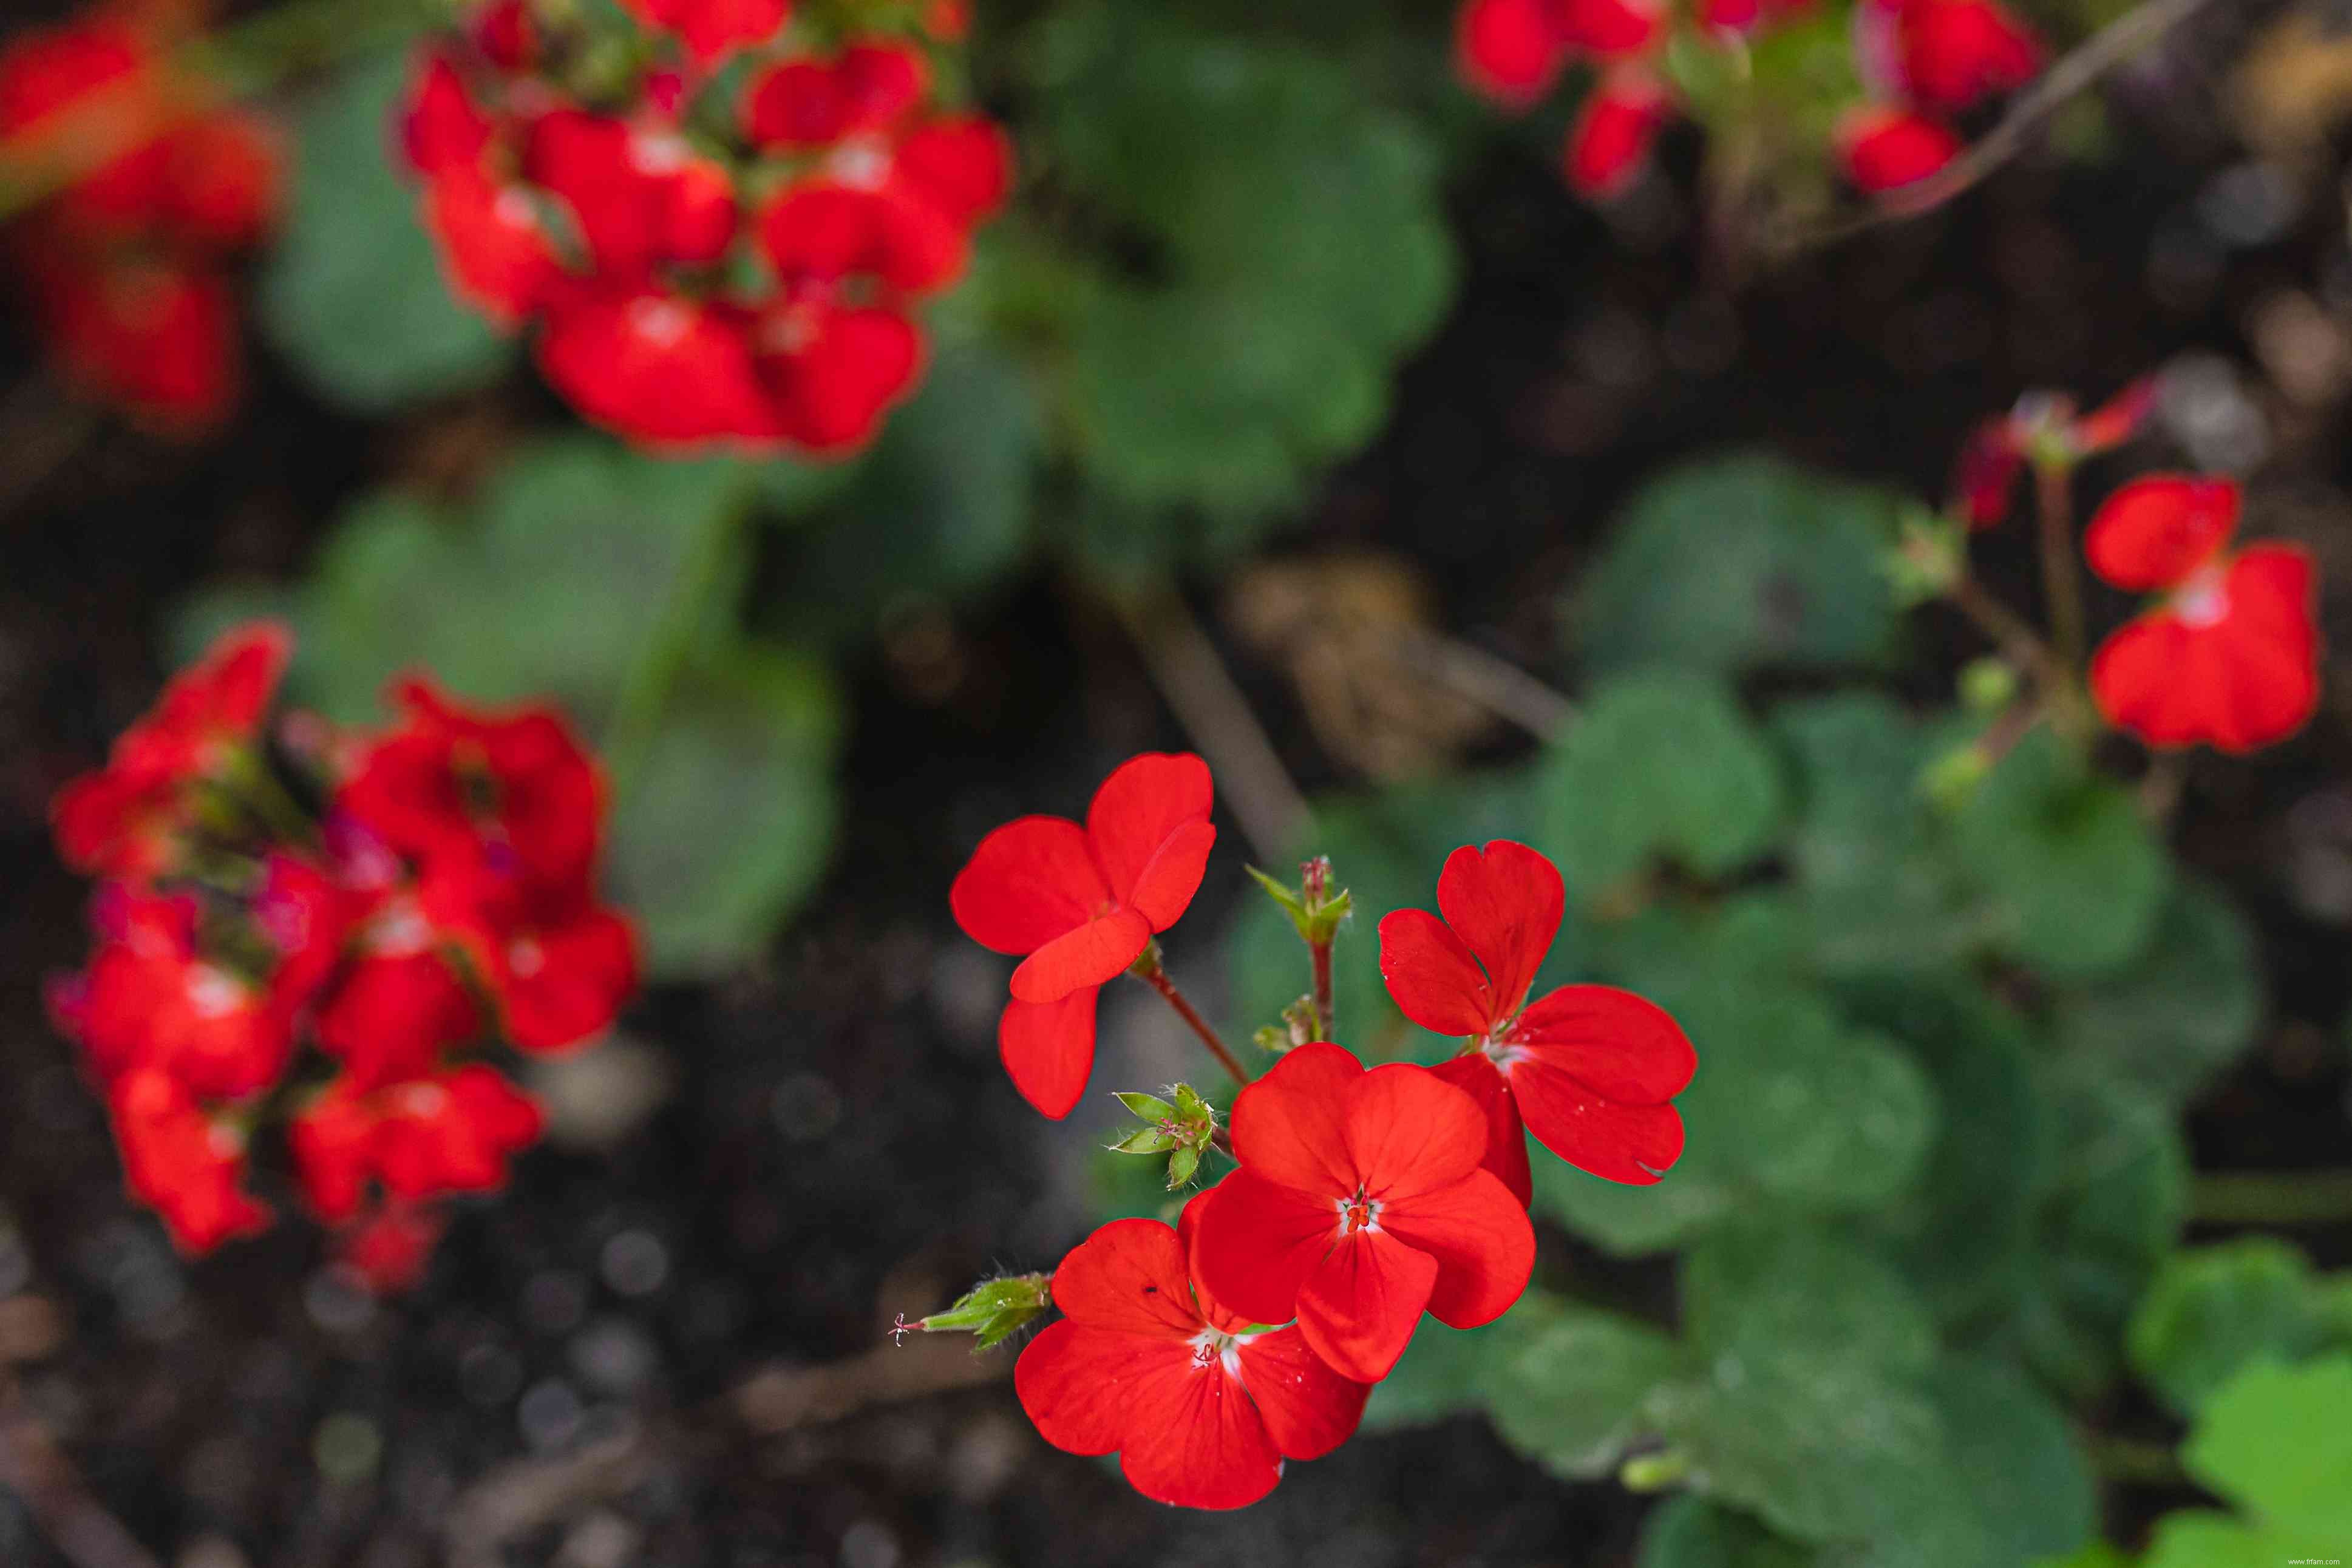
x,y
1918,1293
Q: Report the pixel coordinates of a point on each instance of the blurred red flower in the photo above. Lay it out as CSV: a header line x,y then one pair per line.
x,y
2230,655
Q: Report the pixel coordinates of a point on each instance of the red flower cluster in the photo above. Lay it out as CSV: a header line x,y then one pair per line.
x,y
443,903
710,257
1078,905
151,189
1515,51
2230,654
1209,1354
1925,61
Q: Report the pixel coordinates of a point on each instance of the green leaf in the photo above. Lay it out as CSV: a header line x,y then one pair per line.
x,y
2274,1441
729,821
2215,1311
1881,886
1792,1112
1569,1392
354,294
2184,1009
1689,1531
1293,247
1659,766
942,505
2079,878
1734,562
1759,1291
2116,1198
1961,1234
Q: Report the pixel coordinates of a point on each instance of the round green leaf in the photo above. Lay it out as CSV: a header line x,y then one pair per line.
x,y
354,294
2183,1010
2215,1311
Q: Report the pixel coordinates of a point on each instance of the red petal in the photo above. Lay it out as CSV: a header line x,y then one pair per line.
x,y
2155,531
1958,52
1290,1126
1309,1409
561,986
1198,1442
1506,903
1030,881
880,83
1254,1243
1621,1046
1613,27
1128,1275
1611,139
1511,50
1479,1234
1164,889
1410,1132
2116,421
661,370
833,390
1083,1386
1506,1135
1095,952
799,103
1432,975
1629,1144
1137,810
1048,1049
1884,149
2242,682
963,166
1359,1307
493,244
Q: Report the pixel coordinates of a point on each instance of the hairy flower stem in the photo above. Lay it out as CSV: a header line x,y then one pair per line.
x,y
1323,1006
2023,646
1159,980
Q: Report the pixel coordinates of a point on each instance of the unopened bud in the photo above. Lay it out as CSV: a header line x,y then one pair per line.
x,y
991,1310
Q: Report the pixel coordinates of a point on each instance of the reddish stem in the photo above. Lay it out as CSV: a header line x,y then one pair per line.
x,y
1323,1008
1160,982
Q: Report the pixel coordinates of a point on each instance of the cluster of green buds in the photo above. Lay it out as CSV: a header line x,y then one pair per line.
x,y
1318,910
1182,1126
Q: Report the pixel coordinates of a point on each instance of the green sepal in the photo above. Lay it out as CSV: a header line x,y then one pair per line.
x,y
993,1309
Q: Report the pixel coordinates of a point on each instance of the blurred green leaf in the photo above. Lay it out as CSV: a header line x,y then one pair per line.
x,y
1285,246
2215,1311
1568,1391
2112,1205
727,822
1874,869
1759,1291
2079,878
940,504
354,294
1659,765
2183,1010
1961,1232
2276,1442
1734,563
1792,1112
1689,1531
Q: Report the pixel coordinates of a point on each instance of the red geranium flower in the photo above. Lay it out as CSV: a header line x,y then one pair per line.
x,y
124,820
1996,451
1202,1406
183,1161
1885,149
510,798
2231,655
389,1248
450,1132
1613,133
1512,50
1591,1069
1954,54
712,27
1361,1201
1080,904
